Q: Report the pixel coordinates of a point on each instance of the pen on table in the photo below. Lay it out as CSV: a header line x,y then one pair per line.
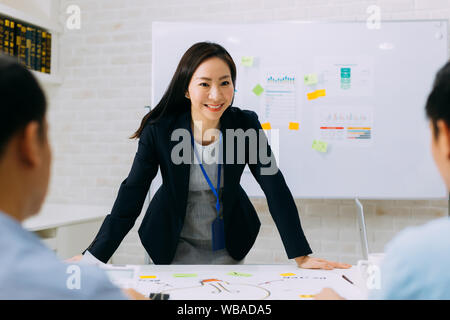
x,y
347,279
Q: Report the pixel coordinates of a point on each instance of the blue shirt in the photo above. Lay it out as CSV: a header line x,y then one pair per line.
x,y
30,270
417,264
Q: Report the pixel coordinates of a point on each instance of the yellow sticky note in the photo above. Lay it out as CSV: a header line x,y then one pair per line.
x,y
266,126
306,296
294,125
311,95
320,146
247,61
321,93
287,274
315,94
147,277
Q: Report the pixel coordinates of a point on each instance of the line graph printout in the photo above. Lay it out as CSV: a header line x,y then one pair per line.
x,y
280,98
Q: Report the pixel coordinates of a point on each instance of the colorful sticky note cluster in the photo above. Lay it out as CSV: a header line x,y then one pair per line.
x,y
239,274
294,125
258,89
310,79
266,126
320,146
316,94
247,61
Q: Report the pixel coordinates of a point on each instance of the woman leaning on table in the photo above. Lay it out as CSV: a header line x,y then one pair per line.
x,y
201,214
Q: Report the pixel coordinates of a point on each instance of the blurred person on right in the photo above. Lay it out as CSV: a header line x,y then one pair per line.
x,y
417,261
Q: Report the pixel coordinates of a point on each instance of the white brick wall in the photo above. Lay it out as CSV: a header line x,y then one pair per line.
x,y
107,81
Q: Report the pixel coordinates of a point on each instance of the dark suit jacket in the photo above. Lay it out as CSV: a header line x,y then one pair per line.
x,y
163,221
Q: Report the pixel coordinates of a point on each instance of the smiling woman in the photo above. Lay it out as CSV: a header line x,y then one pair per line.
x,y
176,98
211,93
201,214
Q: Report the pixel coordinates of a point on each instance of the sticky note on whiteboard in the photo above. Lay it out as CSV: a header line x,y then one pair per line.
x,y
266,126
258,90
316,94
294,125
310,79
320,146
321,93
247,61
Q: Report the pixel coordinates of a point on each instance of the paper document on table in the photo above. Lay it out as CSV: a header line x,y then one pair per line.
x,y
243,283
123,276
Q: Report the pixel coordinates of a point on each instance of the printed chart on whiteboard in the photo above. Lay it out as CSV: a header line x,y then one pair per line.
x,y
350,126
346,76
279,105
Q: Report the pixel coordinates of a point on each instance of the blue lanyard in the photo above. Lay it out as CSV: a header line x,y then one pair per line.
x,y
216,192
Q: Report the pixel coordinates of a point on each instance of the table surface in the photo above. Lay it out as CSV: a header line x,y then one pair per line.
x,y
57,215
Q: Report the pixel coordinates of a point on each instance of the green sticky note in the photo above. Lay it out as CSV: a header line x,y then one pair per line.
x,y
320,146
258,90
247,61
239,274
185,275
310,79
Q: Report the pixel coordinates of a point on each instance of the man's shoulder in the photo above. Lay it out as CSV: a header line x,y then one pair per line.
x,y
53,279
433,233
30,270
417,263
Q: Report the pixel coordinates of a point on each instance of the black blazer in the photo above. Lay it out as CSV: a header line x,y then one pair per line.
x,y
163,220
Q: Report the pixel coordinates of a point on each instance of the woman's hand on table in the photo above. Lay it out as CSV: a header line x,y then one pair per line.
x,y
134,295
328,294
74,258
307,262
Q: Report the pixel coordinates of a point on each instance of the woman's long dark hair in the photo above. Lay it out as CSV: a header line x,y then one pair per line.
x,y
174,100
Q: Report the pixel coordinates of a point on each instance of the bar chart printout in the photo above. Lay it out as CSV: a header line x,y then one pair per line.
x,y
345,125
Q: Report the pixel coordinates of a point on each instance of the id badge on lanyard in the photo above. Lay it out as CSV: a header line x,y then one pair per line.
x,y
217,227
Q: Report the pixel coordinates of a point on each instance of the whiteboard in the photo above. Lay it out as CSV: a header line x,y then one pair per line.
x,y
371,117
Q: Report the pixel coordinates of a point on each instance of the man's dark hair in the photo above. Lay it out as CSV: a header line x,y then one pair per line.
x,y
21,100
438,102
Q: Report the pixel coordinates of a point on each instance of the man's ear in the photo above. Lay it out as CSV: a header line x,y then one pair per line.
x,y
30,144
443,139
